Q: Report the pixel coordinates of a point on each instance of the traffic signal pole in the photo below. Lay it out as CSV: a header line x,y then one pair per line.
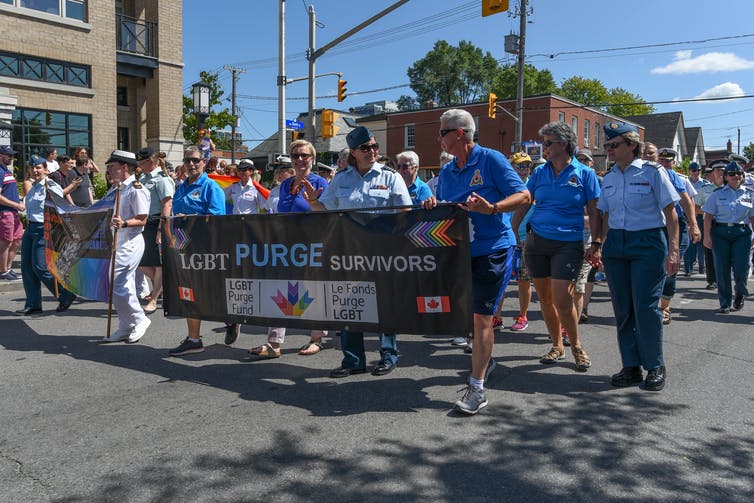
x,y
520,88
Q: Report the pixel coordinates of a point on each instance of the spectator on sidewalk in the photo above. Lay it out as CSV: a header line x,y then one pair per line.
x,y
11,229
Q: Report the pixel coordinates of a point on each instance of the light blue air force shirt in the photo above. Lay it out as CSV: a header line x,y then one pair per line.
x,y
730,206
560,201
34,200
378,188
635,198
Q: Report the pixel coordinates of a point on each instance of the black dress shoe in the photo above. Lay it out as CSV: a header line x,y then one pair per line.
x,y
28,310
383,368
738,302
63,306
655,380
627,376
345,372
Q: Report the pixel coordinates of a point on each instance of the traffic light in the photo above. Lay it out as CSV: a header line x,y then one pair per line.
x,y
492,112
490,7
329,129
342,89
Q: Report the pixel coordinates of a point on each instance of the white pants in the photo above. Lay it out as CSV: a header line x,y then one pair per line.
x,y
277,335
126,301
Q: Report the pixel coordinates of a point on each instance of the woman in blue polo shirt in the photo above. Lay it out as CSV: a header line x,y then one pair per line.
x,y
727,215
554,249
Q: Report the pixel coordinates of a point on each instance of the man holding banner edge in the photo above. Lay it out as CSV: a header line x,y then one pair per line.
x,y
483,182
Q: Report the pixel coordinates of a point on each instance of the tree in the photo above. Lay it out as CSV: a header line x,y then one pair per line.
x,y
451,75
616,101
407,103
216,120
535,82
749,151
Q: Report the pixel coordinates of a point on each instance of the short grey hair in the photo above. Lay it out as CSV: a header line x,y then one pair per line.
x,y
343,154
561,131
410,155
458,118
193,150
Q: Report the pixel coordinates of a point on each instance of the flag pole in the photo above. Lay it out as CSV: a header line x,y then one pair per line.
x,y
54,278
112,264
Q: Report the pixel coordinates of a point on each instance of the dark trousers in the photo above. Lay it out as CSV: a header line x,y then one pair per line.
x,y
34,268
635,269
730,247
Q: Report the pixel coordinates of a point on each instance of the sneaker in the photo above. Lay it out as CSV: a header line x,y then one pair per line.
x,y
521,324
120,335
473,401
711,286
552,356
566,339
231,333
188,346
138,331
460,341
9,275
582,359
469,348
497,323
723,310
738,303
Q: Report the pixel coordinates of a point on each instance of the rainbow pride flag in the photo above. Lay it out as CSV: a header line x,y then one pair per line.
x,y
225,181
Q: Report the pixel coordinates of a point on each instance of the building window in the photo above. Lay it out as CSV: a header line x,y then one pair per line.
x,y
409,133
35,130
587,131
121,96
123,139
597,133
561,116
71,9
22,66
575,124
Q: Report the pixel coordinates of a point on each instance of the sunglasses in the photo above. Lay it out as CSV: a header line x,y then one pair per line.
x,y
404,166
300,156
549,143
367,148
245,168
192,160
734,173
612,145
523,167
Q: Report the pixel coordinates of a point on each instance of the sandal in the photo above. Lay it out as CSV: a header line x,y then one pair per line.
x,y
151,307
265,351
553,356
582,359
310,348
666,317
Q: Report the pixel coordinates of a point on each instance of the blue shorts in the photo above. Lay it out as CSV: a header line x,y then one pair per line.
x,y
489,278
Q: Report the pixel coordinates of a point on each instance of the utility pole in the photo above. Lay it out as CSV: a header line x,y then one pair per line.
x,y
281,80
520,88
235,71
311,124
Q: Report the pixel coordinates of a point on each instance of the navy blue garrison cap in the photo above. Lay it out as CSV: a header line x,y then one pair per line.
x,y
733,167
613,129
358,136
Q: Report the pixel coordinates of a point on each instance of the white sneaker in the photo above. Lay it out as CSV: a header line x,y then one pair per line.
x,y
119,335
138,331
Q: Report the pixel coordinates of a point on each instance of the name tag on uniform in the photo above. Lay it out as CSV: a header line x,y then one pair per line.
x,y
383,193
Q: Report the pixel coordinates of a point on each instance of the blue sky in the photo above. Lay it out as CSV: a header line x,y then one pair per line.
x,y
585,38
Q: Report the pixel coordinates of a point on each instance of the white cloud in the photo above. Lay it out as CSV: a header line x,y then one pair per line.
x,y
705,63
725,90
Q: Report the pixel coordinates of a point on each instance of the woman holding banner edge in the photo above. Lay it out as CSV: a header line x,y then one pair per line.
x,y
363,184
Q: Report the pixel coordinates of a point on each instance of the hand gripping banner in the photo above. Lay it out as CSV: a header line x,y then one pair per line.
x,y
400,272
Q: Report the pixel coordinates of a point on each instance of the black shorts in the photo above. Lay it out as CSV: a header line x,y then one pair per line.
x,y
489,278
550,258
151,257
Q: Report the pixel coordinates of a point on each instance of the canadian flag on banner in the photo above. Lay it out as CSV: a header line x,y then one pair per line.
x,y
186,293
439,304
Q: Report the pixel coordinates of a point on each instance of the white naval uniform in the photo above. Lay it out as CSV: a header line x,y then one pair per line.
x,y
128,252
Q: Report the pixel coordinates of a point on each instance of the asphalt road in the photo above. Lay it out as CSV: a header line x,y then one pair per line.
x,y
83,421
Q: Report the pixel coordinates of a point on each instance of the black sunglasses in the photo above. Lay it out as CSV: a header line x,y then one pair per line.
x,y
192,160
367,148
300,156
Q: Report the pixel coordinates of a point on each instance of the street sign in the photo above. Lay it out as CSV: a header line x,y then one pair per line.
x,y
294,124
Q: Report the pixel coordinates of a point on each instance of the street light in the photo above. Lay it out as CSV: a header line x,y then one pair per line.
x,y
200,93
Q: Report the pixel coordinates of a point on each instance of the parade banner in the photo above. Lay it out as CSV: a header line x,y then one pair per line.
x,y
78,245
347,270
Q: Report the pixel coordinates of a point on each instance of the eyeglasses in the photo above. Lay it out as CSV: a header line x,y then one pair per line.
x,y
367,148
300,156
192,160
443,132
549,143
523,166
735,173
612,145
405,166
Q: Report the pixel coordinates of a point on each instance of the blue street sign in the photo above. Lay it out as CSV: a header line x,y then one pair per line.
x,y
294,124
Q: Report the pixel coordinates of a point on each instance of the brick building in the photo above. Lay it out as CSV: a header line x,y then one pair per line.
x,y
92,73
417,130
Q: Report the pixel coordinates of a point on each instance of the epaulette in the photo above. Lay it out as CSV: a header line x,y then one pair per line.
x,y
137,185
388,168
342,171
720,187
653,164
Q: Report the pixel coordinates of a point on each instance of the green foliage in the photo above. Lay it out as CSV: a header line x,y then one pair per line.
x,y
407,103
451,75
616,101
100,185
216,120
749,151
535,82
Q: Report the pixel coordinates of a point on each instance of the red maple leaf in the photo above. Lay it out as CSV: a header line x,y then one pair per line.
x,y
433,304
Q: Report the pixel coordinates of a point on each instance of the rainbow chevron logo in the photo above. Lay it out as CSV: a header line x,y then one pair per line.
x,y
177,238
431,234
292,305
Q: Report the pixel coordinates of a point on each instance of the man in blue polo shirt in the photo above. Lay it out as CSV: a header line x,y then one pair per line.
x,y
198,195
11,230
408,167
483,182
